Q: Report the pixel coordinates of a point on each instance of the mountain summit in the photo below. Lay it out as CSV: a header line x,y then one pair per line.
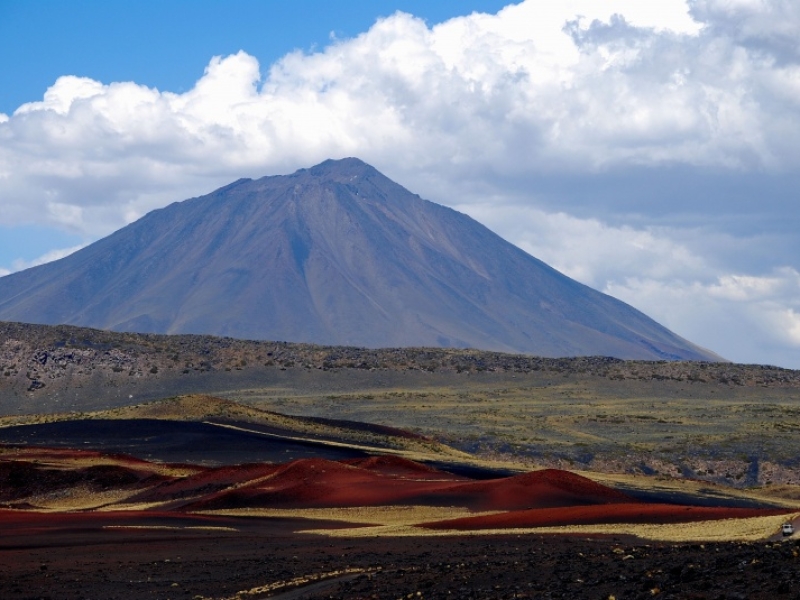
x,y
335,254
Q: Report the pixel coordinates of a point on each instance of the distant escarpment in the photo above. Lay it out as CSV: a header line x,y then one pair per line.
x,y
42,360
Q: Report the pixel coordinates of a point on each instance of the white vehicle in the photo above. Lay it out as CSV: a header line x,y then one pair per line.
x,y
787,529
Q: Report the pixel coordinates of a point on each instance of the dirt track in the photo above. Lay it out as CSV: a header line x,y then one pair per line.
x,y
163,563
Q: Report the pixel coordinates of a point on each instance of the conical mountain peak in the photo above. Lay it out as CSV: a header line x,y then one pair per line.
x,y
342,167
334,254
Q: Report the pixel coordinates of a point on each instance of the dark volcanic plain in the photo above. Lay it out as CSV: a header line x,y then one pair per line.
x,y
133,565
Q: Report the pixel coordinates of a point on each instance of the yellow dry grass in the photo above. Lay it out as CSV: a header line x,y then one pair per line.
x,y
173,528
78,498
217,411
723,530
363,515
135,506
48,458
786,496
415,453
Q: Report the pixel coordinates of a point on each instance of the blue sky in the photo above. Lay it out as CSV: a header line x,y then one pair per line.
x,y
167,43
646,149
164,45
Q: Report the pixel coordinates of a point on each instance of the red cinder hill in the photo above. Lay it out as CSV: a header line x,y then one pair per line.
x,y
316,483
538,489
600,514
131,490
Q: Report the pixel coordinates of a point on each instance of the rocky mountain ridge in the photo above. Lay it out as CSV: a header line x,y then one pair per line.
x,y
33,357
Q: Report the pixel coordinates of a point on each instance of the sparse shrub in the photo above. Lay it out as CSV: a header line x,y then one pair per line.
x,y
154,369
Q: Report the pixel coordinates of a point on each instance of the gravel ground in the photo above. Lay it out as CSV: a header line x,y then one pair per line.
x,y
174,564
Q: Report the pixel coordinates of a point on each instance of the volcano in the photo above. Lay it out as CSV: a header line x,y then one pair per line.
x,y
337,254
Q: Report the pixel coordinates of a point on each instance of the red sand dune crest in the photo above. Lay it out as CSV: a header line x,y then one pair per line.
x,y
209,480
541,498
601,514
301,483
48,453
318,483
23,479
318,471
67,454
548,488
398,467
303,468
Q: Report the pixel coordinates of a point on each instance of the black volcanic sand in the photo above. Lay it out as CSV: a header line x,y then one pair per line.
x,y
171,441
196,443
133,564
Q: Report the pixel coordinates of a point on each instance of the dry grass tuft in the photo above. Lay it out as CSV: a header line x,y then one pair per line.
x,y
724,530
362,515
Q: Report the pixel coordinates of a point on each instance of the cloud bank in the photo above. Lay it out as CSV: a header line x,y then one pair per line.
x,y
647,152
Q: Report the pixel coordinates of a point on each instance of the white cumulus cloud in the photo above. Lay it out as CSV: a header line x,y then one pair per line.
x,y
47,257
624,126
670,275
540,86
744,318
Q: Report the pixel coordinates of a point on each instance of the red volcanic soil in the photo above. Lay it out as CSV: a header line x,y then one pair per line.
x,y
397,467
169,553
548,488
22,479
318,483
207,481
537,499
64,455
377,481
601,514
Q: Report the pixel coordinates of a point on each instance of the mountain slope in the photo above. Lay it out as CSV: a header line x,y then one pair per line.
x,y
335,254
